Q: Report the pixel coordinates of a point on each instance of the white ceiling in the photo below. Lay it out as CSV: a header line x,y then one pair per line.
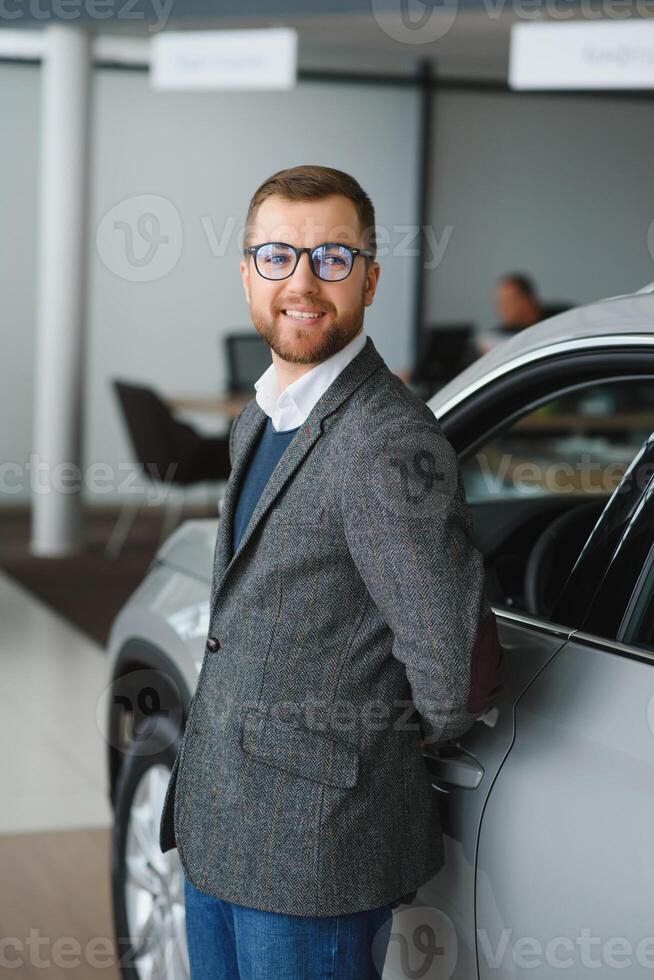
x,y
462,43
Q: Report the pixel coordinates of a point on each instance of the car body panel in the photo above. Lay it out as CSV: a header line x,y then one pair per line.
x,y
566,839
170,611
192,551
452,891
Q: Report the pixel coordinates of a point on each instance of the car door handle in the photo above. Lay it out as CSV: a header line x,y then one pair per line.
x,y
458,770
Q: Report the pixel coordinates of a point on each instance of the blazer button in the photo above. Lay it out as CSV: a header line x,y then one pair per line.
x,y
213,644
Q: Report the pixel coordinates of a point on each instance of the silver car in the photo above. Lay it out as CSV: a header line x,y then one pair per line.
x,y
547,803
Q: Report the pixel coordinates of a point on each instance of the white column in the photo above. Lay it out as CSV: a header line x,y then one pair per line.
x,y
57,526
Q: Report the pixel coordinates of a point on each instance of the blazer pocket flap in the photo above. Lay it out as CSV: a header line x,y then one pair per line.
x,y
300,751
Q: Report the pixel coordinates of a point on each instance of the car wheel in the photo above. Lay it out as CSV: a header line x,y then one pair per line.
x,y
148,886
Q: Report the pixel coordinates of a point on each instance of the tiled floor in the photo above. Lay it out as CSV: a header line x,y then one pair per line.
x,y
55,906
55,818
53,766
54,814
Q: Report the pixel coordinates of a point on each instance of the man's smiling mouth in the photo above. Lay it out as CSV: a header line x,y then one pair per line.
x,y
303,314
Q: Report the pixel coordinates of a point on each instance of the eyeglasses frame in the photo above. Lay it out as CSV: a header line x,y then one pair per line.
x,y
253,249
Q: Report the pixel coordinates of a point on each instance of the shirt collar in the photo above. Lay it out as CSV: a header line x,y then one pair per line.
x,y
290,408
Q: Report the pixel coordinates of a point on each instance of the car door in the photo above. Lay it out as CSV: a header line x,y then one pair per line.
x,y
437,934
565,871
566,857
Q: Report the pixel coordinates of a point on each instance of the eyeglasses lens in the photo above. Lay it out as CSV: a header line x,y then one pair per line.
x,y
331,262
275,261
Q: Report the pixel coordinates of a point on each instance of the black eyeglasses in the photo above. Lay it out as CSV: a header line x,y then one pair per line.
x,y
330,261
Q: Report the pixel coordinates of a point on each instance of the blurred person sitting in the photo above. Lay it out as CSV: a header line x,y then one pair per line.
x,y
518,305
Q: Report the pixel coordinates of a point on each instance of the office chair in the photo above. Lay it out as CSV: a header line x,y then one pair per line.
x,y
168,452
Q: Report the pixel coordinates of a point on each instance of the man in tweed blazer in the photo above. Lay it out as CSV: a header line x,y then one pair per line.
x,y
349,627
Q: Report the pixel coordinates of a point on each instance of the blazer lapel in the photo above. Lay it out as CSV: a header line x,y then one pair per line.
x,y
353,374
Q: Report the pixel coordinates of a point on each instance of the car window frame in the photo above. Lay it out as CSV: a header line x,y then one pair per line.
x,y
632,608
616,647
609,586
551,375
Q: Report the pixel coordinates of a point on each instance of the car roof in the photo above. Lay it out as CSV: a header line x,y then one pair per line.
x,y
617,316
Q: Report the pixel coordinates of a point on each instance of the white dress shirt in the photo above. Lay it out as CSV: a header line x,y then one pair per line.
x,y
290,408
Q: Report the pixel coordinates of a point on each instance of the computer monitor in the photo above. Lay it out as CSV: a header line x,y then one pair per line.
x,y
445,350
248,356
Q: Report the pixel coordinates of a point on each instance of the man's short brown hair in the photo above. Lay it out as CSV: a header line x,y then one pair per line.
x,y
310,183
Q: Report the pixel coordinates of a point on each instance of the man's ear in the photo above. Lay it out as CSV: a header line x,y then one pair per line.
x,y
370,285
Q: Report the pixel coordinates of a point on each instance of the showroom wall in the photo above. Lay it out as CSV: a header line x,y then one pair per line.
x,y
556,185
19,122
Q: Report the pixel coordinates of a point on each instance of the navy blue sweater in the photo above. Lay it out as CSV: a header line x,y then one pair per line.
x,y
263,461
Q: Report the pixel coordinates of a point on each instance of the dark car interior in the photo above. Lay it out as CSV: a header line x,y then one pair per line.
x,y
532,535
531,547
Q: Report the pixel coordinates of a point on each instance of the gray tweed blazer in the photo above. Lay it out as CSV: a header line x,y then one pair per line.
x,y
350,626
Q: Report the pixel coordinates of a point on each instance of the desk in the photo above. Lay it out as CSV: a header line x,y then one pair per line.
x,y
229,406
574,422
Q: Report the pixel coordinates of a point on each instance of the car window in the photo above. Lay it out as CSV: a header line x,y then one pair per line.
x,y
574,445
538,488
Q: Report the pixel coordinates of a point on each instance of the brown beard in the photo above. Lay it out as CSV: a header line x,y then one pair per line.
x,y
339,333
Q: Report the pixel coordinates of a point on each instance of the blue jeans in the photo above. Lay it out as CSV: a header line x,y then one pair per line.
x,y
232,942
